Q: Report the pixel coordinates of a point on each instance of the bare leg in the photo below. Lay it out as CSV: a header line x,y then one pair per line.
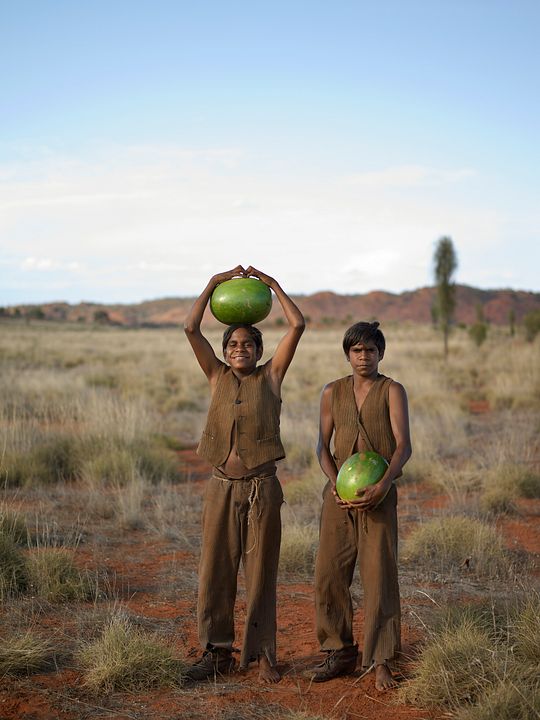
x,y
383,678
267,673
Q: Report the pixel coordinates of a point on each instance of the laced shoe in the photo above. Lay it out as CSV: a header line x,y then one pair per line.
x,y
214,662
336,663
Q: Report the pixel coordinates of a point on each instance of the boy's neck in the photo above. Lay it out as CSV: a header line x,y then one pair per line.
x,y
360,380
244,373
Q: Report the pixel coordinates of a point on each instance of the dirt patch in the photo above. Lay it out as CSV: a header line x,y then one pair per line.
x,y
155,580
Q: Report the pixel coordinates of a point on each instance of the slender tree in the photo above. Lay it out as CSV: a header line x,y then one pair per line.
x,y
445,265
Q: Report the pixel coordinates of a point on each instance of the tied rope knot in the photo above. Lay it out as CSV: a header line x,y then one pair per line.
x,y
252,499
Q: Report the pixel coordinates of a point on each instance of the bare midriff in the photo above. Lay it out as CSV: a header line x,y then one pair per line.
x,y
234,468
360,444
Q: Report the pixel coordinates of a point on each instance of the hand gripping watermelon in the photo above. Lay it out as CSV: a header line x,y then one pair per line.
x,y
359,471
241,300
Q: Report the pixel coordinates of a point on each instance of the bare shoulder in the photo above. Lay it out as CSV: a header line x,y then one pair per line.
x,y
397,393
397,388
327,389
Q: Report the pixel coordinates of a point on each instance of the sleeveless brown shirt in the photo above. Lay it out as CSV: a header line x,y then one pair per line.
x,y
374,417
248,408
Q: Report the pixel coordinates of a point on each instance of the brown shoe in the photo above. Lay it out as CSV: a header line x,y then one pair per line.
x,y
214,662
336,663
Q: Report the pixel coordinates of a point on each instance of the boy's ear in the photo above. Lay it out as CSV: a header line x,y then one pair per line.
x,y
381,355
259,353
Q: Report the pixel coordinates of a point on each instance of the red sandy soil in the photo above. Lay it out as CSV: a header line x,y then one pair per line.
x,y
147,572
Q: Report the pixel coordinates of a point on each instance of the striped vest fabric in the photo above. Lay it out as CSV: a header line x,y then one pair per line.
x,y
374,416
248,408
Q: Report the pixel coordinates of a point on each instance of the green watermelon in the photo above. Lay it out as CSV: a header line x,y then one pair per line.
x,y
241,300
359,471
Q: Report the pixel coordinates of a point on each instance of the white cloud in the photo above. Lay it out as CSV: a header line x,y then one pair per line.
x,y
152,221
409,176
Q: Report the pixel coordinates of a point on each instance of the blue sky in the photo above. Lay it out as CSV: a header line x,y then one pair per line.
x,y
147,145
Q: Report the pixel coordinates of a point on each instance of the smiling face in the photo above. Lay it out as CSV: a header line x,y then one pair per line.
x,y
241,351
364,358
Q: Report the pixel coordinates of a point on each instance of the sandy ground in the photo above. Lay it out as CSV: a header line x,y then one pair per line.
x,y
156,580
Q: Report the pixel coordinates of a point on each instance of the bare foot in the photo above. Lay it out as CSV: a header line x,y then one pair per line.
x,y
383,678
267,673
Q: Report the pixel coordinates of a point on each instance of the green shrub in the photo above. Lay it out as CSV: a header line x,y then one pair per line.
x,y
529,485
531,321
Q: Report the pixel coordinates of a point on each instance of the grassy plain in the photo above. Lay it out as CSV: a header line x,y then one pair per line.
x,y
101,495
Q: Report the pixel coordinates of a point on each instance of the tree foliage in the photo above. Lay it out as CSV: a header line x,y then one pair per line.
x,y
531,321
445,265
479,330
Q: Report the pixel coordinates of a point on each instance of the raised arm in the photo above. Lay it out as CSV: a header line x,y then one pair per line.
x,y
399,420
204,353
287,345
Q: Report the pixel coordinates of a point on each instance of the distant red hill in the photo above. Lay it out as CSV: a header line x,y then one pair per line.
x,y
322,308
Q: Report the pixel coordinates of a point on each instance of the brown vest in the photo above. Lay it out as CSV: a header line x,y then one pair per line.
x,y
251,410
374,418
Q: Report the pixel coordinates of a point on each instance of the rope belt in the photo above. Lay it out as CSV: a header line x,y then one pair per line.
x,y
253,497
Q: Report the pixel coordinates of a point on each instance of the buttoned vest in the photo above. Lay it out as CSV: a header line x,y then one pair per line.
x,y
374,417
248,408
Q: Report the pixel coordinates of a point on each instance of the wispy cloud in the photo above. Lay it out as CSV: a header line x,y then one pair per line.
x,y
410,176
125,223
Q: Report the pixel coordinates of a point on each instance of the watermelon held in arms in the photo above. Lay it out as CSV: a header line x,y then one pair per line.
x,y
359,471
241,300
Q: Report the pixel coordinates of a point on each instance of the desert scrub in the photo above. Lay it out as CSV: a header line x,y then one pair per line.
x,y
454,667
503,484
55,458
13,571
482,662
54,577
23,652
298,549
452,542
526,631
126,658
12,525
505,701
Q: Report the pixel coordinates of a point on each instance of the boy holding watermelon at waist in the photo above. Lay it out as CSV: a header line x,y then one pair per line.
x,y
365,411
243,498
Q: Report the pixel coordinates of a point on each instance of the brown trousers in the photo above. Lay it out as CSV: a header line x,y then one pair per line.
x,y
342,540
241,520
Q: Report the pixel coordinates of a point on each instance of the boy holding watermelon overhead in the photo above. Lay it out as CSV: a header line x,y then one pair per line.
x,y
365,412
242,502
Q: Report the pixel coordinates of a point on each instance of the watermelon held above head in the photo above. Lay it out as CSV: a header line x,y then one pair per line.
x,y
359,471
241,300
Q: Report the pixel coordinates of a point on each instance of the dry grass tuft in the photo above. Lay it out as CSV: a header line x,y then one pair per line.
x,y
506,701
482,663
126,658
455,667
449,543
54,577
526,631
13,571
298,549
23,652
12,525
